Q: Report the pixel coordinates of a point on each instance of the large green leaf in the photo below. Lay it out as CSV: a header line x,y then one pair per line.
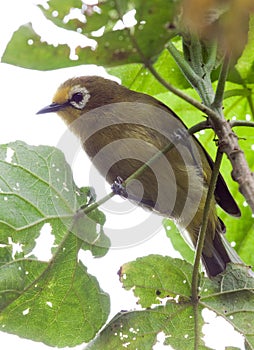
x,y
232,297
34,54
56,302
146,39
138,78
163,286
37,188
57,10
140,329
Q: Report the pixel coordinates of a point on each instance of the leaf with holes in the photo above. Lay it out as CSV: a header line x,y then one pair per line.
x,y
154,26
163,286
56,302
37,188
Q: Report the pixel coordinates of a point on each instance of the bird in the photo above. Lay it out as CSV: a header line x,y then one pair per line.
x,y
121,130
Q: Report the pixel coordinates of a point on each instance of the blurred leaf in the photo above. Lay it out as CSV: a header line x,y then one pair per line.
x,y
57,303
245,64
216,21
238,101
141,80
178,241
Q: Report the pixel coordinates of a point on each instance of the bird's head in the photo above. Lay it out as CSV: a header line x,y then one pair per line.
x,y
78,95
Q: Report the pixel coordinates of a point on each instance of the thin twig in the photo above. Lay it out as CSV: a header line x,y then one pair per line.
x,y
234,123
88,209
202,234
200,245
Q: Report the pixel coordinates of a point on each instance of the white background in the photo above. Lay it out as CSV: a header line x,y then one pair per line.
x,y
23,92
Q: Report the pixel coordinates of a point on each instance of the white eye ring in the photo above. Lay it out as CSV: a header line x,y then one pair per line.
x,y
82,97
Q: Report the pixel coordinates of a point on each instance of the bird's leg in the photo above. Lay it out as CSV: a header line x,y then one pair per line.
x,y
118,187
181,135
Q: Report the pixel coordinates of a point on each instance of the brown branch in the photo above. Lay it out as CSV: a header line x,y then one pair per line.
x,y
228,143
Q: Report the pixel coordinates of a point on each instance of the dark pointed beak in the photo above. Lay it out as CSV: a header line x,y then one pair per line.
x,y
53,107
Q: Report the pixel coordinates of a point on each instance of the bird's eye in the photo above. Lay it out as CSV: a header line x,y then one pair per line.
x,y
77,97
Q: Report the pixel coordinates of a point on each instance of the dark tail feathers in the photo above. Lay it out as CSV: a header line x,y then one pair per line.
x,y
222,254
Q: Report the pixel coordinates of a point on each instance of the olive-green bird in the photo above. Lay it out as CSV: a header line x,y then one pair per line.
x,y
121,129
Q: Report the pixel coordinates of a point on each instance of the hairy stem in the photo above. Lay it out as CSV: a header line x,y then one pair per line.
x,y
219,94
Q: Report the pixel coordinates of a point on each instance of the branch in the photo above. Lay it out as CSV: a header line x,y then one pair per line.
x,y
200,244
234,123
228,143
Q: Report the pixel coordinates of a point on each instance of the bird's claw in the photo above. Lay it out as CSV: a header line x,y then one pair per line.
x,y
118,187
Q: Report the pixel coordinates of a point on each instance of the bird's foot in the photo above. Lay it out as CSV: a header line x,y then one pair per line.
x,y
118,187
181,135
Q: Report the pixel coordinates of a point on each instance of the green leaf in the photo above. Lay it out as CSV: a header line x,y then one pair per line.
x,y
37,188
163,281
16,277
152,277
37,55
232,297
58,9
114,47
238,101
140,329
137,78
178,241
147,38
163,286
57,303
245,64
